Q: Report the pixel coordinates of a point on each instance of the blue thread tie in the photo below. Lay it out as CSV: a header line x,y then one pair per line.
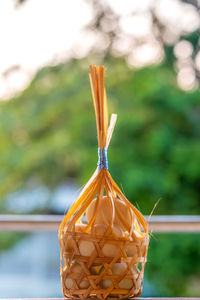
x,y
103,158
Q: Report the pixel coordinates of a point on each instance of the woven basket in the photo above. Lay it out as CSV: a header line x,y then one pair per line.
x,y
103,238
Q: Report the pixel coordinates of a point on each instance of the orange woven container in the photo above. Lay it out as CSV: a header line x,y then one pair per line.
x,y
103,238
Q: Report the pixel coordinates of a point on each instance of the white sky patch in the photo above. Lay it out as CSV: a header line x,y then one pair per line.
x,y
36,33
122,7
183,49
186,78
138,25
42,32
146,54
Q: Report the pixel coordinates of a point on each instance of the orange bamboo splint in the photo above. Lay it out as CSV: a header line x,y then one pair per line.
x,y
103,237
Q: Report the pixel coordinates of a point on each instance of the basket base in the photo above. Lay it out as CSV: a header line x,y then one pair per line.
x,y
102,275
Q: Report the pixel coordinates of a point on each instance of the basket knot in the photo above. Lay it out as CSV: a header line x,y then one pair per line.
x,y
103,158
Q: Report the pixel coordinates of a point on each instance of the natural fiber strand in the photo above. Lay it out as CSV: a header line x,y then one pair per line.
x,y
95,274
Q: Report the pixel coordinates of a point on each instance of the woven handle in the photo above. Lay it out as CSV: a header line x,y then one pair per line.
x,y
97,81
101,181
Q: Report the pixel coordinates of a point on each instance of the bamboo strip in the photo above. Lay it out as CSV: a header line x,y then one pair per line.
x,y
90,253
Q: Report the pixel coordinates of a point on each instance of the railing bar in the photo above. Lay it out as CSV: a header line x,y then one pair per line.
x,y
58,218
51,223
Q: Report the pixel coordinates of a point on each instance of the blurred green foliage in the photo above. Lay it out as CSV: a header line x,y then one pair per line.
x,y
173,264
48,134
8,239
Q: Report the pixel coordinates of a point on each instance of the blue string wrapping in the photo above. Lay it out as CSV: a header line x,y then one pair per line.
x,y
103,158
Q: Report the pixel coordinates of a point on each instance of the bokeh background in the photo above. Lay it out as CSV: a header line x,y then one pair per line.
x,y
48,145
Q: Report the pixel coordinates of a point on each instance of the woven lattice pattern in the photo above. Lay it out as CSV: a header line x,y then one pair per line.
x,y
104,257
98,268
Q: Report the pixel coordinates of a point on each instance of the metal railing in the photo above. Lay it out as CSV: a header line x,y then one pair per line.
x,y
51,223
32,223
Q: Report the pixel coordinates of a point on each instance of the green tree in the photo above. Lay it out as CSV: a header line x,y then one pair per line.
x,y
48,134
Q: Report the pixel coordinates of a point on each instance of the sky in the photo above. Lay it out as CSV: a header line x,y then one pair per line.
x,y
35,34
42,32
